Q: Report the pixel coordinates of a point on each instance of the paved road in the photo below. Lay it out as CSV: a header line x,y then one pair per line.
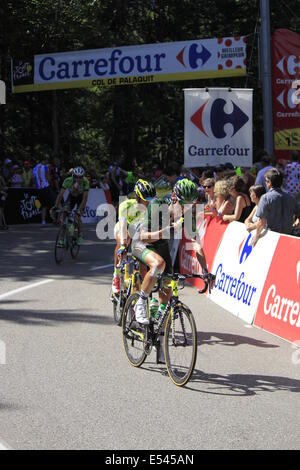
x,y
67,384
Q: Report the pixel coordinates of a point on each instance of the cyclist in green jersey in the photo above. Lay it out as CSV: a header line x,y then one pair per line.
x,y
78,186
152,246
131,212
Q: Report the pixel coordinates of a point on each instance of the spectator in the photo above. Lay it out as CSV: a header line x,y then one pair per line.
x,y
27,175
104,182
129,180
243,205
223,200
55,175
292,176
265,166
3,197
7,170
115,183
172,173
208,173
248,178
46,194
277,209
208,186
157,172
256,193
16,180
219,171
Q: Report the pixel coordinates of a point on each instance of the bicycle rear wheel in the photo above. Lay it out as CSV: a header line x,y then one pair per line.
x,y
133,334
180,345
61,244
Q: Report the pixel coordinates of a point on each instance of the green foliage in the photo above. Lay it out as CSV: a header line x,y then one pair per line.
x,y
143,122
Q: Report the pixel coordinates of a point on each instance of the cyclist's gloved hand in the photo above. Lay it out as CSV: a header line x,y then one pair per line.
x,y
121,250
210,279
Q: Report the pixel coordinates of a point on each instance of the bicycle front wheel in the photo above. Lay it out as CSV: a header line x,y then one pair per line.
x,y
61,244
74,248
180,345
133,334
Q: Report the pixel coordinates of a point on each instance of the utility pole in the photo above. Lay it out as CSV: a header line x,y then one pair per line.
x,y
266,74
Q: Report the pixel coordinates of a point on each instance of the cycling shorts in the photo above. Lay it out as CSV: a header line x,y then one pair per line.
x,y
71,201
140,251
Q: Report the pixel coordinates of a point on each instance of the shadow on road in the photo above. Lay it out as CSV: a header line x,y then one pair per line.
x,y
51,318
241,384
213,338
27,253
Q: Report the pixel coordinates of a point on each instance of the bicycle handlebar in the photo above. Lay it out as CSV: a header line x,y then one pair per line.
x,y
207,278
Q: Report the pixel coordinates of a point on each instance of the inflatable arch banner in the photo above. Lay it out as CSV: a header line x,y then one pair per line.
x,y
147,63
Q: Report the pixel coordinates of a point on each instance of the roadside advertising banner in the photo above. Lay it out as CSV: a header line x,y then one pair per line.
x,y
211,232
146,63
218,127
23,206
285,70
279,307
241,270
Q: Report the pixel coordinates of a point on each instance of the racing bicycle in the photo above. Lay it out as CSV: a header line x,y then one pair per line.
x,y
177,326
130,281
67,236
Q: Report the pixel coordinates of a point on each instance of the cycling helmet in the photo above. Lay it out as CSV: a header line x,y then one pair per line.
x,y
144,190
186,191
78,171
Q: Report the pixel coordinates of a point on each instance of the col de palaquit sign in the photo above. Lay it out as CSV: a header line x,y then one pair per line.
x,y
185,60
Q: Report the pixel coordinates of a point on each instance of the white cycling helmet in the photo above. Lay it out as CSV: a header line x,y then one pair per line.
x,y
78,171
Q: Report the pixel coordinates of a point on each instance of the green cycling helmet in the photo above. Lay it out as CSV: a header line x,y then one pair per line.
x,y
186,191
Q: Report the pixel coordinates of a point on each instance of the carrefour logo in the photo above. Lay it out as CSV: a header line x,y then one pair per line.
x,y
213,119
194,56
289,65
245,249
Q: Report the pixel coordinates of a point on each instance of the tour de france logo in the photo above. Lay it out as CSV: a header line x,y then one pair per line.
x,y
30,206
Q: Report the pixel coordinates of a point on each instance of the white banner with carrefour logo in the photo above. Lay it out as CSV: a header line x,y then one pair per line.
x,y
218,127
241,270
127,65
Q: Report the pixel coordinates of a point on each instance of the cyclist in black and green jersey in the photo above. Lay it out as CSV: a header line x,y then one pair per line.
x,y
78,186
151,246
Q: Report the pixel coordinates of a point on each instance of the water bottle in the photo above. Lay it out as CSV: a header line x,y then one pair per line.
x,y
153,307
160,311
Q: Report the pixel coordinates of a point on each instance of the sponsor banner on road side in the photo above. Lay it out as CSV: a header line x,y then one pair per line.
x,y
218,127
241,270
279,307
286,113
147,63
211,232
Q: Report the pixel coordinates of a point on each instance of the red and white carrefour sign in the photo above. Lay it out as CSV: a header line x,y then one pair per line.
x,y
211,232
241,270
279,308
285,70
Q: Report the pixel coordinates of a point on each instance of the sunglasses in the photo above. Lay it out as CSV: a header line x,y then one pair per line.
x,y
206,187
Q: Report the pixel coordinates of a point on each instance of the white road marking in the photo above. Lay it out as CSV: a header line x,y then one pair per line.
x,y
96,268
21,289
4,446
